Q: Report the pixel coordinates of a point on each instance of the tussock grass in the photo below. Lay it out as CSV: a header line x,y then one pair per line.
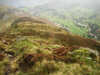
x,y
35,48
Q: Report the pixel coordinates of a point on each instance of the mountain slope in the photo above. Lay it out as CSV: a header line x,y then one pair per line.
x,y
76,19
29,26
33,47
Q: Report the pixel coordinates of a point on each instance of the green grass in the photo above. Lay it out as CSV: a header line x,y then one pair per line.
x,y
69,24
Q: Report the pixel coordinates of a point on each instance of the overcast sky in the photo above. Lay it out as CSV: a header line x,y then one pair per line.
x,y
93,3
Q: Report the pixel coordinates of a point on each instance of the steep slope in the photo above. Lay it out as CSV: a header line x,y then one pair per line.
x,y
33,47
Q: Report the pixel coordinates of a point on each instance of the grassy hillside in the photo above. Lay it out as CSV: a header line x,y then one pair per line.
x,y
77,20
34,47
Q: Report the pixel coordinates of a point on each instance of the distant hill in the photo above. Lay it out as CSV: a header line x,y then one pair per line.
x,y
78,20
